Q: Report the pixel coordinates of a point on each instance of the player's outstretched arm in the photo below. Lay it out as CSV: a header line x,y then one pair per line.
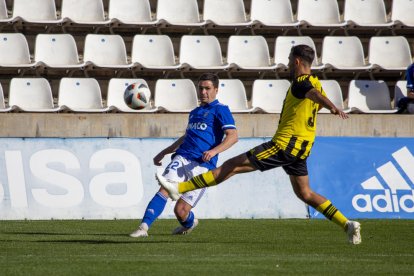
x,y
170,149
317,97
229,140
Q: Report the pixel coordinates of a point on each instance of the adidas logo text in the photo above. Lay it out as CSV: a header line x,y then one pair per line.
x,y
399,196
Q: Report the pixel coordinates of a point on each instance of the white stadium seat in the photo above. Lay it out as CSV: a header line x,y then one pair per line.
x,y
366,13
402,12
268,95
389,52
31,95
229,13
56,51
83,12
334,93
249,53
369,96
231,92
201,52
153,52
4,17
283,46
35,11
343,52
80,95
107,51
115,95
3,107
14,51
272,13
178,13
319,13
130,12
175,95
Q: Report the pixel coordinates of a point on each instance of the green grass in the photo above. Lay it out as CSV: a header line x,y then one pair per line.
x,y
231,247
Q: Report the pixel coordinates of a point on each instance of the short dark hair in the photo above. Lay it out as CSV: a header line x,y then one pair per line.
x,y
210,77
303,52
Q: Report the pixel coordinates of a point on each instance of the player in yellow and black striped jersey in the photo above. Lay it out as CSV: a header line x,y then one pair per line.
x,y
289,147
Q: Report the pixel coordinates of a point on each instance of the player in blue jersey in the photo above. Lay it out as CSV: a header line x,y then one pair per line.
x,y
404,103
194,153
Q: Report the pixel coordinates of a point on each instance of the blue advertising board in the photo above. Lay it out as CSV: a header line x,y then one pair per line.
x,y
364,177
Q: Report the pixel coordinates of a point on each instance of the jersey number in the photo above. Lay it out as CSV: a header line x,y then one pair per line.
x,y
174,165
311,120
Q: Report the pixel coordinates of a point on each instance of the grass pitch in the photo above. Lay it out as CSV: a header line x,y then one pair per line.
x,y
231,247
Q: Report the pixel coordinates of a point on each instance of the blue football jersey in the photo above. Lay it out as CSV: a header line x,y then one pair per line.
x,y
205,130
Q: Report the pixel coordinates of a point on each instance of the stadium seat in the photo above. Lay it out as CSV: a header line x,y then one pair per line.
x,y
272,13
381,49
362,13
178,13
80,95
107,51
402,13
319,13
231,92
130,12
249,53
343,53
115,95
56,51
201,52
283,45
153,52
175,95
14,51
228,13
3,107
4,17
334,93
89,12
31,95
35,11
369,96
268,95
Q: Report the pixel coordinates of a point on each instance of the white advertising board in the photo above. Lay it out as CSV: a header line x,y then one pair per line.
x,y
99,178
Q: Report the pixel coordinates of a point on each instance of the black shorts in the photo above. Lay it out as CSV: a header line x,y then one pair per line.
x,y
268,156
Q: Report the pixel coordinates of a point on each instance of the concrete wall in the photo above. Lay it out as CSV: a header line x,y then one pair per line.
x,y
173,125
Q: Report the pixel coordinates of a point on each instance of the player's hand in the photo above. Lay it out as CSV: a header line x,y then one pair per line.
x,y
207,155
157,159
340,113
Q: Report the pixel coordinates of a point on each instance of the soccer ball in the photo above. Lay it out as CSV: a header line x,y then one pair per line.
x,y
137,96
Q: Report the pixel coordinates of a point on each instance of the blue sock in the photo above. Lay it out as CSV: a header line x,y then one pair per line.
x,y
154,209
188,223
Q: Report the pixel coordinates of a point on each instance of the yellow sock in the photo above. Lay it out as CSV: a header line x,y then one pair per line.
x,y
331,213
200,181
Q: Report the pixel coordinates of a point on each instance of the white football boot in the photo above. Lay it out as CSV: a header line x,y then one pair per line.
x,y
170,186
142,231
353,230
181,230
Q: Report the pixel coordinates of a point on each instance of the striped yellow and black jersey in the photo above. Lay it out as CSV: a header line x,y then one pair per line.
x,y
296,131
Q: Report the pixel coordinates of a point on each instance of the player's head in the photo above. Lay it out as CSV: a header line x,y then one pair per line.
x,y
300,58
207,88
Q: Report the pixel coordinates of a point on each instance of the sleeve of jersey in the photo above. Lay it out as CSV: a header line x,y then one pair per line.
x,y
410,74
300,88
225,118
